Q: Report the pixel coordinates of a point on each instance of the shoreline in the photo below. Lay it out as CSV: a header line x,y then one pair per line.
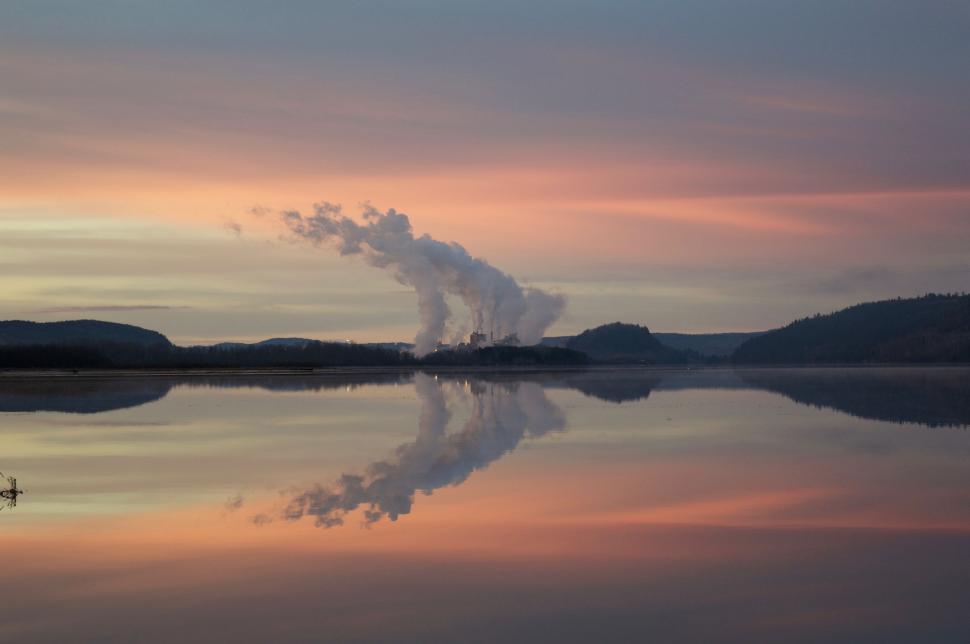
x,y
87,374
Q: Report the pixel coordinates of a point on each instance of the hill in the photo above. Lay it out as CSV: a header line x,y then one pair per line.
x,y
77,333
931,328
619,342
715,345
299,343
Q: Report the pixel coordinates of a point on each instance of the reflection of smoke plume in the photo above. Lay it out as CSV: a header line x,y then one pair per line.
x,y
502,415
498,304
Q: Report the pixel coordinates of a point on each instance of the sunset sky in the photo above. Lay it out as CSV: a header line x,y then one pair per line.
x,y
690,166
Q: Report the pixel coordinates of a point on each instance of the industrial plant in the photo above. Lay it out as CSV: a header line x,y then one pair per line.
x,y
479,340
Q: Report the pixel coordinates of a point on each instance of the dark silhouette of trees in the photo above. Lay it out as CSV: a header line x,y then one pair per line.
x,y
931,328
116,355
309,356
507,356
53,357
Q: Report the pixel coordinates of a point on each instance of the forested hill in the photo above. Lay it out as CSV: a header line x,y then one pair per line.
x,y
624,343
77,333
931,328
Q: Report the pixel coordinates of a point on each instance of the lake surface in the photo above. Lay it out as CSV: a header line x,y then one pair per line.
x,y
798,505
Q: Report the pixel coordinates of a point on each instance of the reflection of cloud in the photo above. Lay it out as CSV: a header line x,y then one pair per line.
x,y
501,416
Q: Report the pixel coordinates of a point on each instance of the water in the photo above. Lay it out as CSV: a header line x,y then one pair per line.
x,y
804,505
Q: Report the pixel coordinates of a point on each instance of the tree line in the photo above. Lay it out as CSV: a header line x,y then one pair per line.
x,y
311,355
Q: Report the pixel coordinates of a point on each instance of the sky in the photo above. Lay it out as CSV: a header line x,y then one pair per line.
x,y
691,166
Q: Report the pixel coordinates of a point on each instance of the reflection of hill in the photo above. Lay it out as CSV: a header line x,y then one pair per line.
x,y
610,385
629,385
929,396
932,397
94,395
79,396
616,388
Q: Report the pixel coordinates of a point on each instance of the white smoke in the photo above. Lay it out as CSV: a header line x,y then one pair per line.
x,y
501,416
498,305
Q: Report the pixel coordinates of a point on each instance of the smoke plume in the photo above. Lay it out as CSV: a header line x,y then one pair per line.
x,y
497,304
501,416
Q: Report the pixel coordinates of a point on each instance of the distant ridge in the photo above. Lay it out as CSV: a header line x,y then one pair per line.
x,y
715,345
931,328
297,343
77,333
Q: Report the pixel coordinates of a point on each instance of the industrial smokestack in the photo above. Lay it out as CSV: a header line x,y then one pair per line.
x,y
433,268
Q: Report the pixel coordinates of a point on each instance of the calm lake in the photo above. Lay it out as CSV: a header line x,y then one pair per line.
x,y
795,505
